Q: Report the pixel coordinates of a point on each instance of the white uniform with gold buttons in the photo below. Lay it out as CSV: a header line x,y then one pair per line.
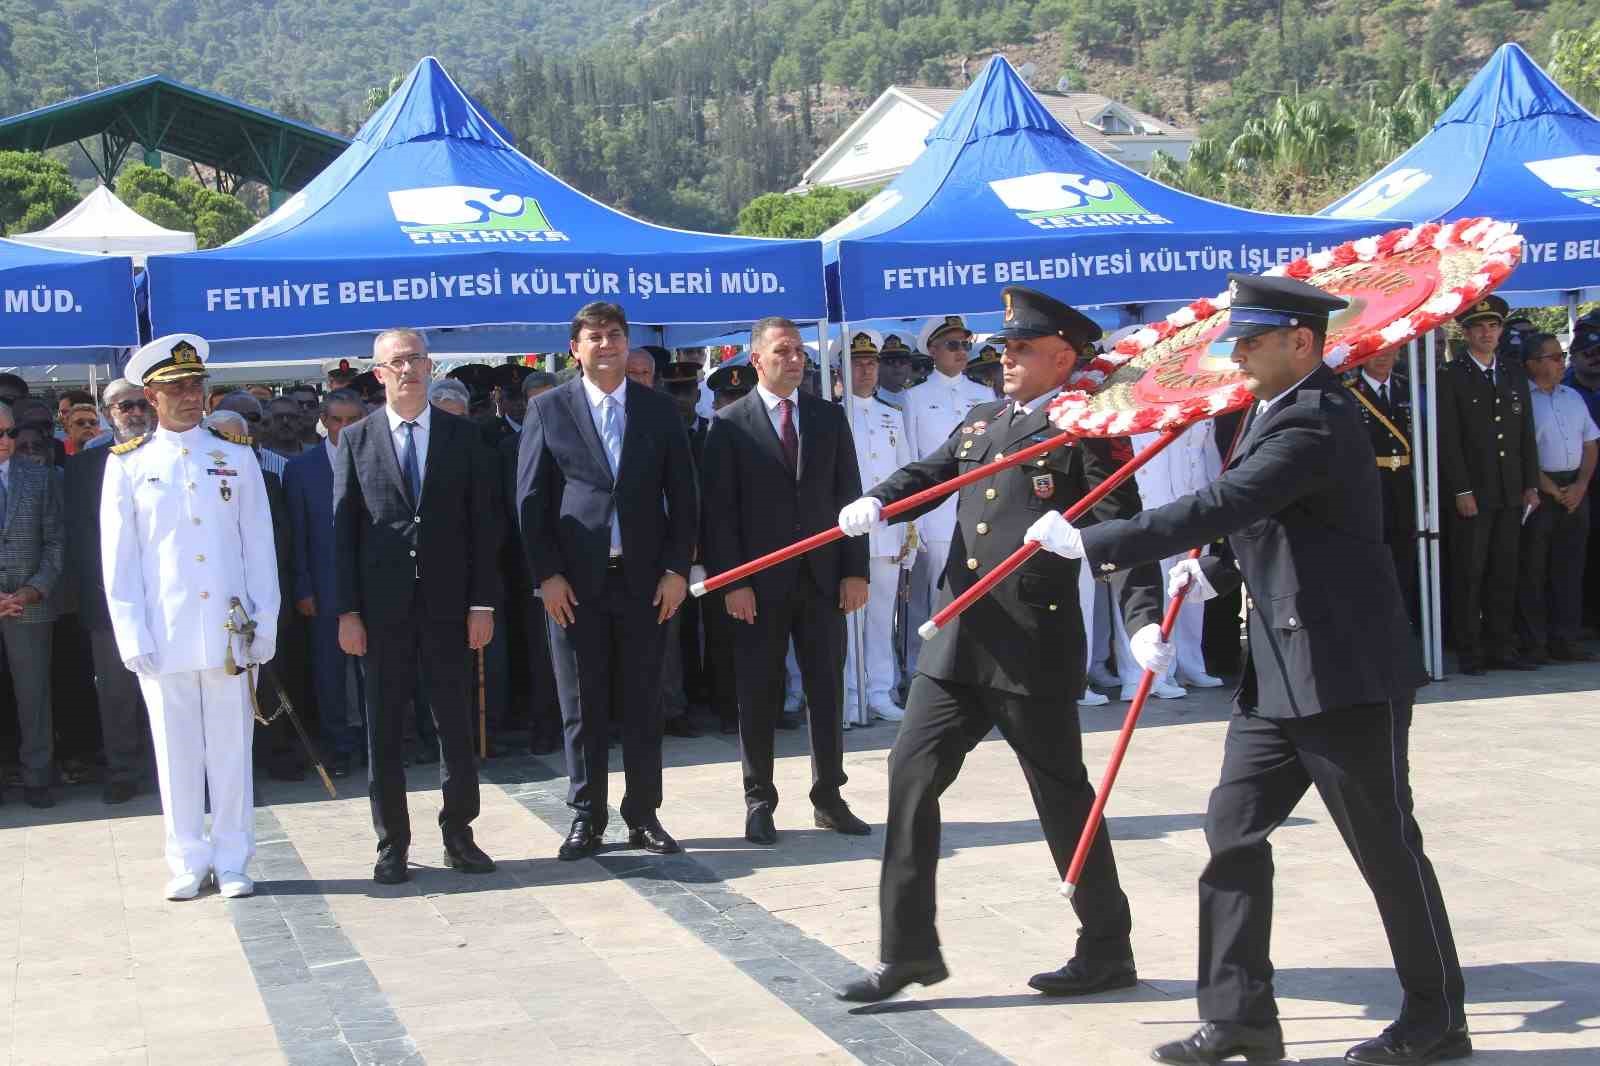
x,y
881,449
185,528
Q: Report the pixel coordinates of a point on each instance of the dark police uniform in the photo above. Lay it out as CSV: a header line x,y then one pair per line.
x,y
1014,659
1386,413
1487,448
1326,695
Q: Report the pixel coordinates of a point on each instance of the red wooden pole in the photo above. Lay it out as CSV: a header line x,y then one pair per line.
x,y
988,581
915,500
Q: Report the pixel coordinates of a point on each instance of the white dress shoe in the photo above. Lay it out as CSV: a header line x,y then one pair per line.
x,y
1091,698
235,886
1161,690
185,886
888,712
1199,681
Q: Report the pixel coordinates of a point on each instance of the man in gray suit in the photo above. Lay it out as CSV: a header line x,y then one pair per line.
x,y
32,548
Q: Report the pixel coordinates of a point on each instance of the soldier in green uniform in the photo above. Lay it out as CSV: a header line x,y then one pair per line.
x,y
1488,474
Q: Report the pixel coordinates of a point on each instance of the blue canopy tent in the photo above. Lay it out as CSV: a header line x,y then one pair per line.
x,y
1003,194
62,307
433,219
1512,146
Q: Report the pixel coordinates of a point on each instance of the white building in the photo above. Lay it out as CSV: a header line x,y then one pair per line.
x,y
889,134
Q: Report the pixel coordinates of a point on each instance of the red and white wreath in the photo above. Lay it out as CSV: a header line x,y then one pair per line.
x,y
1400,285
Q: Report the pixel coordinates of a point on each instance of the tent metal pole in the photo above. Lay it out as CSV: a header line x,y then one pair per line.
x,y
827,367
1431,399
1424,544
1572,314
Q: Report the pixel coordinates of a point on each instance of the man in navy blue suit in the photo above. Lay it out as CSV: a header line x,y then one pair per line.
x,y
608,508
308,484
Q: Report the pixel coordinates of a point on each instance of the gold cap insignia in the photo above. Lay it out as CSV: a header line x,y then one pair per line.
x,y
733,377
183,352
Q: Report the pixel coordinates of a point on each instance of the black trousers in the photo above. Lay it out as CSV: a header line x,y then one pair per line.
x,y
1554,554
1403,550
607,665
722,689
945,720
817,626
539,681
1483,579
1357,759
396,652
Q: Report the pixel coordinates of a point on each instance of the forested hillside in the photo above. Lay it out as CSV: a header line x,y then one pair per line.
x,y
684,110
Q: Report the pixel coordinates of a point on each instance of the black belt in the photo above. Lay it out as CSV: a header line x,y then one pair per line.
x,y
1562,477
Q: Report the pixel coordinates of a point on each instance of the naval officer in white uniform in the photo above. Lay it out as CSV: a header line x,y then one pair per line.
x,y
932,412
185,529
881,449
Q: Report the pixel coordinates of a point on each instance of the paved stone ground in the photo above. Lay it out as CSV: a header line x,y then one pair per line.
x,y
727,954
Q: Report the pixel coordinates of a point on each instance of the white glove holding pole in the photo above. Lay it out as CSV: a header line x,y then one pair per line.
x,y
1055,534
1188,570
858,518
143,665
1151,652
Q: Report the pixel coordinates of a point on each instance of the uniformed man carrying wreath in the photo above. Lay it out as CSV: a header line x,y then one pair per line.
x,y
1015,659
185,533
1327,689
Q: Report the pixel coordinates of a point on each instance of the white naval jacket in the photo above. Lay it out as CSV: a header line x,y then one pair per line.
x,y
932,412
881,449
184,526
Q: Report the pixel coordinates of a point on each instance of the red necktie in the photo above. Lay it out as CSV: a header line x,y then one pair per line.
x,y
788,437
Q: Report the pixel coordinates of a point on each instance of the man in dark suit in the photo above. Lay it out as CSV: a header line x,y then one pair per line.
x,y
415,532
1327,690
308,486
1488,473
122,722
606,496
1384,402
1015,659
778,466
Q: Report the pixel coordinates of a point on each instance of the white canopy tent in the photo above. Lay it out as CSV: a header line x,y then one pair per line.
x,y
101,224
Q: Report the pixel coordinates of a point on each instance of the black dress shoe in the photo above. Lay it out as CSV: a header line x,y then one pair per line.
x,y
841,819
654,839
680,727
582,841
390,868
1084,977
1216,1041
1392,1048
118,792
1565,652
467,857
788,721
759,828
891,977
38,797
340,766
1471,667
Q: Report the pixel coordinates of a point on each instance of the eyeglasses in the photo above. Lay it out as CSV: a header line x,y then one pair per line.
x,y
400,364
123,407
956,346
83,423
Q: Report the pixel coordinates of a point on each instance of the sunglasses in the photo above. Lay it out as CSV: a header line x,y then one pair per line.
x,y
11,432
129,406
954,346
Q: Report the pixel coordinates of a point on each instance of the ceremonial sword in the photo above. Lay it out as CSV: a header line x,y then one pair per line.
x,y
246,631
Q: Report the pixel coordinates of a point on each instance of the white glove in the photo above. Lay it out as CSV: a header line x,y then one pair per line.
x,y
1186,569
1151,652
859,517
143,665
262,650
697,574
1055,534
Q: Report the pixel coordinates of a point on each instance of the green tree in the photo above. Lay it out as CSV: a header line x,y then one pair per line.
x,y
183,204
1576,64
35,190
799,214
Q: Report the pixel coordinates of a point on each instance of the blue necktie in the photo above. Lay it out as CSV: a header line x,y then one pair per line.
x,y
408,463
611,437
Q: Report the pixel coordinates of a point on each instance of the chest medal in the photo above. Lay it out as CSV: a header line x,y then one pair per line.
x,y
1044,485
227,492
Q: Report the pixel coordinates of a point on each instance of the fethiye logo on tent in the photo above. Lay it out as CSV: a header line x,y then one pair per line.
x,y
1383,194
1577,176
468,214
1054,200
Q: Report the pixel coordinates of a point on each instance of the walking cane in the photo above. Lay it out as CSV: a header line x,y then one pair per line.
x,y
981,587
915,500
1091,825
483,713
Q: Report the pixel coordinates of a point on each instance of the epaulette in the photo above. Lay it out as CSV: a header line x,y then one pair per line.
x,y
885,403
1309,397
129,445
231,438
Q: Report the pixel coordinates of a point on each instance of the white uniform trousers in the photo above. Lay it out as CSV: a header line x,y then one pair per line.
x,y
1128,670
1091,622
875,623
201,724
